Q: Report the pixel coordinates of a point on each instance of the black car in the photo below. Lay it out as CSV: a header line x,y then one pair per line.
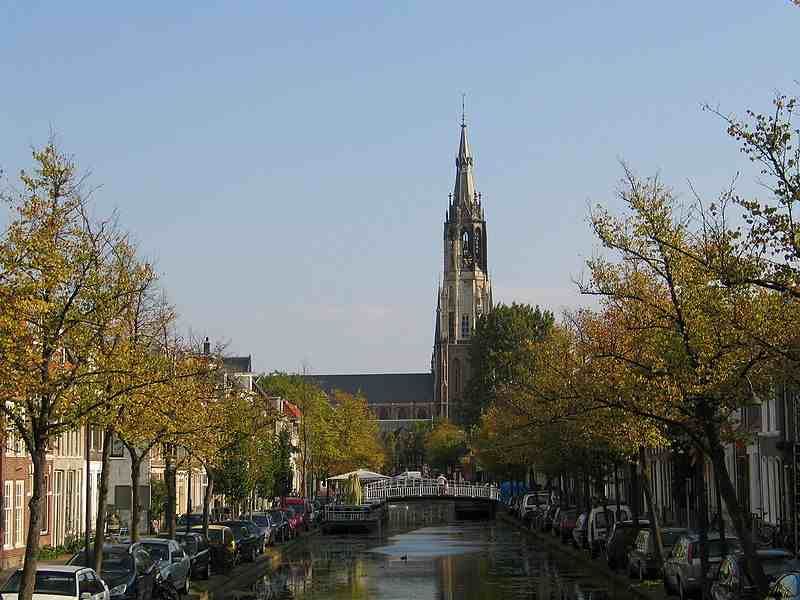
x,y
127,570
196,546
247,542
192,519
258,532
622,539
279,524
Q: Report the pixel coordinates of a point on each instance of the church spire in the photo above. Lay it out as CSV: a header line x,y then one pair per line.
x,y
464,193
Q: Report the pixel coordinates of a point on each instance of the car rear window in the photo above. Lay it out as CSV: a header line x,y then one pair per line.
x,y
47,582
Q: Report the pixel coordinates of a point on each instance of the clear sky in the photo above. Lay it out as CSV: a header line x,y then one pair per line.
x,y
287,165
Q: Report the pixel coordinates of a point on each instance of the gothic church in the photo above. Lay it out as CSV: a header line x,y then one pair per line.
x,y
465,292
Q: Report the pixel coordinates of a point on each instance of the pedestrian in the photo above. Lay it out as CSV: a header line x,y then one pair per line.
x,y
442,481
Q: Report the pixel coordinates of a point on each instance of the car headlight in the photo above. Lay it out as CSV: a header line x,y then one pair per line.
x,y
118,590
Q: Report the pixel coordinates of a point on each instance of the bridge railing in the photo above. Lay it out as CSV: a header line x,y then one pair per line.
x,y
388,489
350,513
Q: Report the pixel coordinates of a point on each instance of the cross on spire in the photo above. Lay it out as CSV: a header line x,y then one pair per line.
x,y
463,111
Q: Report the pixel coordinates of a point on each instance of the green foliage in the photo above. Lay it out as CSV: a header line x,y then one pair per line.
x,y
405,448
282,482
158,498
444,446
501,352
50,552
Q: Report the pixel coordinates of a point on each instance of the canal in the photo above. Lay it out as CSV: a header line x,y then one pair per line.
x,y
424,555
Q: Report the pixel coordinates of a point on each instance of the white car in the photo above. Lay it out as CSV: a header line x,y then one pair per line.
x,y
57,582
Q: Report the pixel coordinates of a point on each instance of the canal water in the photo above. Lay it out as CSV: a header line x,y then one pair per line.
x,y
425,556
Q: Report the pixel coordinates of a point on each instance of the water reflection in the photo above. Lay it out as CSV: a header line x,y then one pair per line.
x,y
450,561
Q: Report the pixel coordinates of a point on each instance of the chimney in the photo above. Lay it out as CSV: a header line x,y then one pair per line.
x,y
206,347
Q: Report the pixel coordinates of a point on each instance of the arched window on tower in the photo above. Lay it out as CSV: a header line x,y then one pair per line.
x,y
457,377
465,326
478,246
466,247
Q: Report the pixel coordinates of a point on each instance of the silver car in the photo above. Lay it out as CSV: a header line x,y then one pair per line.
x,y
173,562
682,568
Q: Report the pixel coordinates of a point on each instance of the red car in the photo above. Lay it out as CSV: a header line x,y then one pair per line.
x,y
294,520
299,509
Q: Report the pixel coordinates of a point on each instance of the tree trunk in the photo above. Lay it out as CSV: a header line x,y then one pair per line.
x,y
169,478
38,456
738,518
207,501
635,493
136,469
655,527
87,529
102,495
702,519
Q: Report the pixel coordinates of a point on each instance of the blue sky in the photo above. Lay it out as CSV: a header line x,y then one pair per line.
x,y
288,165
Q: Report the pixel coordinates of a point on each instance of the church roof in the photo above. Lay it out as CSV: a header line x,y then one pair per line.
x,y
381,388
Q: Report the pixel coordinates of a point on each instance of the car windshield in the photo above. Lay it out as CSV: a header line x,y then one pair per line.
x,y
47,582
157,551
715,547
261,520
215,535
671,537
114,561
778,565
194,519
275,516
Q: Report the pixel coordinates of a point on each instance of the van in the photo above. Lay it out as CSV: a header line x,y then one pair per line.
x,y
599,524
533,502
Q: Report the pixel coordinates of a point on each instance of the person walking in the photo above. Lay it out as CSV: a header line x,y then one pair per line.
x,y
442,481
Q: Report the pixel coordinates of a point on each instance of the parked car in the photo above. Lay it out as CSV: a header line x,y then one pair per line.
x,y
599,523
622,538
264,525
682,567
733,581
258,532
192,519
579,531
76,582
196,547
293,520
545,522
127,570
642,560
532,501
173,562
300,507
280,525
223,547
565,524
247,541
786,587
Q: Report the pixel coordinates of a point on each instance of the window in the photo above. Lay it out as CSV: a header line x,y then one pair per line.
x,y
465,326
117,448
457,376
47,507
19,504
8,503
478,246
451,325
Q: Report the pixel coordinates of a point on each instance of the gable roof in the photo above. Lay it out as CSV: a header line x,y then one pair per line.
x,y
380,388
238,364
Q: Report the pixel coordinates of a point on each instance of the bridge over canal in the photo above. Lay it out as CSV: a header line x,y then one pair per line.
x,y
463,500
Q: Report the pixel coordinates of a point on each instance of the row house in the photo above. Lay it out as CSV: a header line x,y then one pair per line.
x,y
763,464
67,490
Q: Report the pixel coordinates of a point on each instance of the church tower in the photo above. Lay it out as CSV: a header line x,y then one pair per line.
x,y
465,292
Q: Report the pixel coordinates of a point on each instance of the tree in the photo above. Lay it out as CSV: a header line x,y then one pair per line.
x,y
500,351
59,298
356,434
668,345
444,446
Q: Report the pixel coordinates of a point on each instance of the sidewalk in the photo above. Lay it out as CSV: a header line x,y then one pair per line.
x,y
647,590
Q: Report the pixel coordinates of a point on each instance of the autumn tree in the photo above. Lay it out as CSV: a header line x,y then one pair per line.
x,y
59,298
356,434
445,445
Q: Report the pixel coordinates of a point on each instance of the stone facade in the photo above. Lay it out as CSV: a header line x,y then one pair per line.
x,y
465,292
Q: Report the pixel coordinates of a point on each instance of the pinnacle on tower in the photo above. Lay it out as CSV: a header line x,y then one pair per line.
x,y
464,189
